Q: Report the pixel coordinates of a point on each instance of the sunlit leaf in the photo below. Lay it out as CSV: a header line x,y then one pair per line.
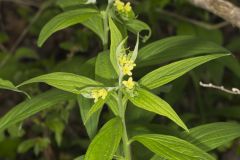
x,y
150,102
106,142
170,147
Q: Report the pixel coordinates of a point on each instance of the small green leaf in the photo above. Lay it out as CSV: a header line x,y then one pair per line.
x,y
92,124
135,51
174,70
4,84
174,48
137,27
116,39
65,20
64,81
104,71
173,148
97,106
33,106
106,142
150,102
210,136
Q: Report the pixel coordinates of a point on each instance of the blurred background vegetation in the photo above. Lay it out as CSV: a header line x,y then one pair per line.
x,y
58,133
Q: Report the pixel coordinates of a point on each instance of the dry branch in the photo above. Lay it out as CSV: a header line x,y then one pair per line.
x,y
221,8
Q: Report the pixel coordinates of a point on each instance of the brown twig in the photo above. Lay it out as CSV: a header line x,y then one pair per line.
x,y
222,8
222,88
192,21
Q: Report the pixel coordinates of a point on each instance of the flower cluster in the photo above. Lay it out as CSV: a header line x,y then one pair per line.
x,y
99,93
126,65
122,7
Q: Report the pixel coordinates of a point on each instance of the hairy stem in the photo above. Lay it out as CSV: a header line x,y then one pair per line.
x,y
126,145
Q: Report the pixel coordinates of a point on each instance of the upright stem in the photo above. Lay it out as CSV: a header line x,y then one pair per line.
x,y
126,145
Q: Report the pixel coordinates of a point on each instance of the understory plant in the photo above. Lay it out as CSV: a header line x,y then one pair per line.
x,y
123,76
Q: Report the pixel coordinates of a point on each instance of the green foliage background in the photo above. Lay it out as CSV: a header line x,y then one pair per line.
x,y
54,124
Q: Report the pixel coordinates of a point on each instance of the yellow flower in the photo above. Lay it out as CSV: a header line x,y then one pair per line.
x,y
127,68
126,64
119,5
128,7
129,83
122,60
99,93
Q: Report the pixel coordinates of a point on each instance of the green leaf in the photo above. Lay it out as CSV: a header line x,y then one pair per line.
x,y
33,106
64,81
116,39
92,124
4,84
96,107
210,136
104,71
65,20
174,48
113,103
69,3
95,24
174,70
173,148
156,157
150,102
137,26
106,142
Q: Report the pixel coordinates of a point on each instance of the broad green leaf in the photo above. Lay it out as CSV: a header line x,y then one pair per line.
x,y
174,48
95,23
33,106
104,71
150,102
4,84
64,81
92,123
65,20
210,136
174,70
106,142
116,39
137,26
173,148
69,3
156,157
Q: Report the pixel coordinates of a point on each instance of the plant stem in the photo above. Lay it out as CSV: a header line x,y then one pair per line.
x,y
126,145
